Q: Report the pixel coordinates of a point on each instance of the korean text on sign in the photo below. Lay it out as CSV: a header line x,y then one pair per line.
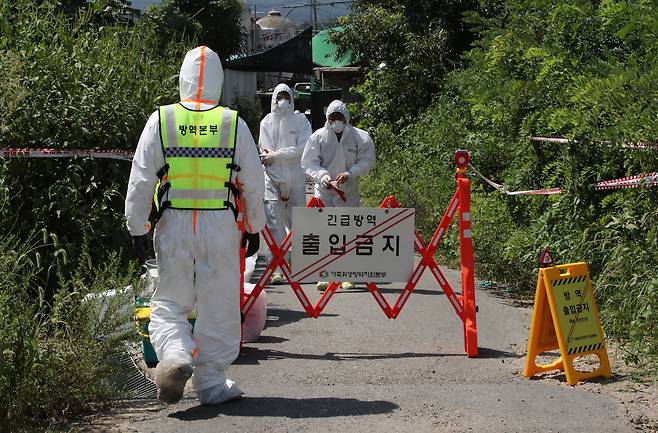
x,y
352,244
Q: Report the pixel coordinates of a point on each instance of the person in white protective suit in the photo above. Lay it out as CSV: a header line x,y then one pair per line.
x,y
196,152
342,153
283,135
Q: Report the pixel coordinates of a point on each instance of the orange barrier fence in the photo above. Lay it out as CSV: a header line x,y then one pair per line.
x,y
463,304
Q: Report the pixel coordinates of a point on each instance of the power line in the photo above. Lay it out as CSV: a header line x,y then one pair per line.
x,y
317,3
314,4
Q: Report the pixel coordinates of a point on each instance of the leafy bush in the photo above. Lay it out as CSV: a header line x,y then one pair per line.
x,y
55,352
625,253
68,82
580,69
79,85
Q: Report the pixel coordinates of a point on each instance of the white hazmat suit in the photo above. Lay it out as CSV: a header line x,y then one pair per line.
x,y
283,134
197,251
324,155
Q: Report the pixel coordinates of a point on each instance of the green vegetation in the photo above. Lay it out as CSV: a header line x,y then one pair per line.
x,y
407,49
580,69
215,24
77,75
80,85
439,76
56,351
72,78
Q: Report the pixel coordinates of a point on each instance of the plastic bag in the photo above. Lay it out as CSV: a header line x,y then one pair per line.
x,y
254,322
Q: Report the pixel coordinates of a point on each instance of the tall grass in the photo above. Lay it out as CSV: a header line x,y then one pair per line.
x,y
56,351
72,83
68,82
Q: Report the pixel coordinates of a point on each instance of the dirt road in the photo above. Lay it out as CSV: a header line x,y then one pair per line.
x,y
354,370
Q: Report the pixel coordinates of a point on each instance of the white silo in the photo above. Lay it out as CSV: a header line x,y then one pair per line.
x,y
274,29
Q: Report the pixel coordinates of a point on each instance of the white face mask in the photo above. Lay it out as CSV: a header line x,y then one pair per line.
x,y
338,126
282,104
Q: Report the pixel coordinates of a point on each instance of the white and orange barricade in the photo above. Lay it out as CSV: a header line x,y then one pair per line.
x,y
463,304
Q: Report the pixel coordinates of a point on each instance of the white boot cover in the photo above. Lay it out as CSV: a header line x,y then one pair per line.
x,y
220,393
171,375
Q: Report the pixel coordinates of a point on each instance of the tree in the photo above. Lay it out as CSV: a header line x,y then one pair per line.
x,y
103,11
214,23
405,48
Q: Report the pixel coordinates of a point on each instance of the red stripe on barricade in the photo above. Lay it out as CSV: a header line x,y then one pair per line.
x,y
279,260
427,261
464,305
467,266
379,298
388,202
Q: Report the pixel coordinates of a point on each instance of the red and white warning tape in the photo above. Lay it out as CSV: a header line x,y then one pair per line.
x,y
12,152
560,140
644,180
557,140
648,179
640,145
504,190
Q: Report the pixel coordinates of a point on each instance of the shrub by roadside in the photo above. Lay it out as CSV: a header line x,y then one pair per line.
x,y
575,68
56,355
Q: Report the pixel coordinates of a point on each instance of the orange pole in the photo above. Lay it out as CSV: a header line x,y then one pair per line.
x,y
467,264
243,256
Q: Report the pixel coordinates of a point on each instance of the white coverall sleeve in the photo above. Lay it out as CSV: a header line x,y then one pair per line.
x,y
365,156
251,178
148,159
303,132
311,161
264,138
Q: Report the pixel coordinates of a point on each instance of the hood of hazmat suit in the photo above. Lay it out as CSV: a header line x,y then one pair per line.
x,y
197,250
324,155
200,80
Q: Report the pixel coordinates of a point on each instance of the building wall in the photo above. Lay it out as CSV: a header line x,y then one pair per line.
x,y
237,83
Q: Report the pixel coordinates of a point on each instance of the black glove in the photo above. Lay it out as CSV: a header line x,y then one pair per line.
x,y
252,241
140,245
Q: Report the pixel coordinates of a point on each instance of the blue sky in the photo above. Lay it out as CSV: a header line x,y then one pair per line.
x,y
298,15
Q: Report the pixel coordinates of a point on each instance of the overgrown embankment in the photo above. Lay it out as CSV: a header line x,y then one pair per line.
x,y
584,70
57,350
74,80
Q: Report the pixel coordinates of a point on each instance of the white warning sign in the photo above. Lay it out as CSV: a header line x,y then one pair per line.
x,y
352,244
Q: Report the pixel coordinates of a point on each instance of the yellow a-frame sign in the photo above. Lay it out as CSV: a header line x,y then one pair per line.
x,y
566,317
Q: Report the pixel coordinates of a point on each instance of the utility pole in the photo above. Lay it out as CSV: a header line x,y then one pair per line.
x,y
253,31
314,14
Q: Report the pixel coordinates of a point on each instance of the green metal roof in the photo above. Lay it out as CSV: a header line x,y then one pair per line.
x,y
324,52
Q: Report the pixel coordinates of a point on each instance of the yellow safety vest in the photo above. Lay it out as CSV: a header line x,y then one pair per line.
x,y
198,150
